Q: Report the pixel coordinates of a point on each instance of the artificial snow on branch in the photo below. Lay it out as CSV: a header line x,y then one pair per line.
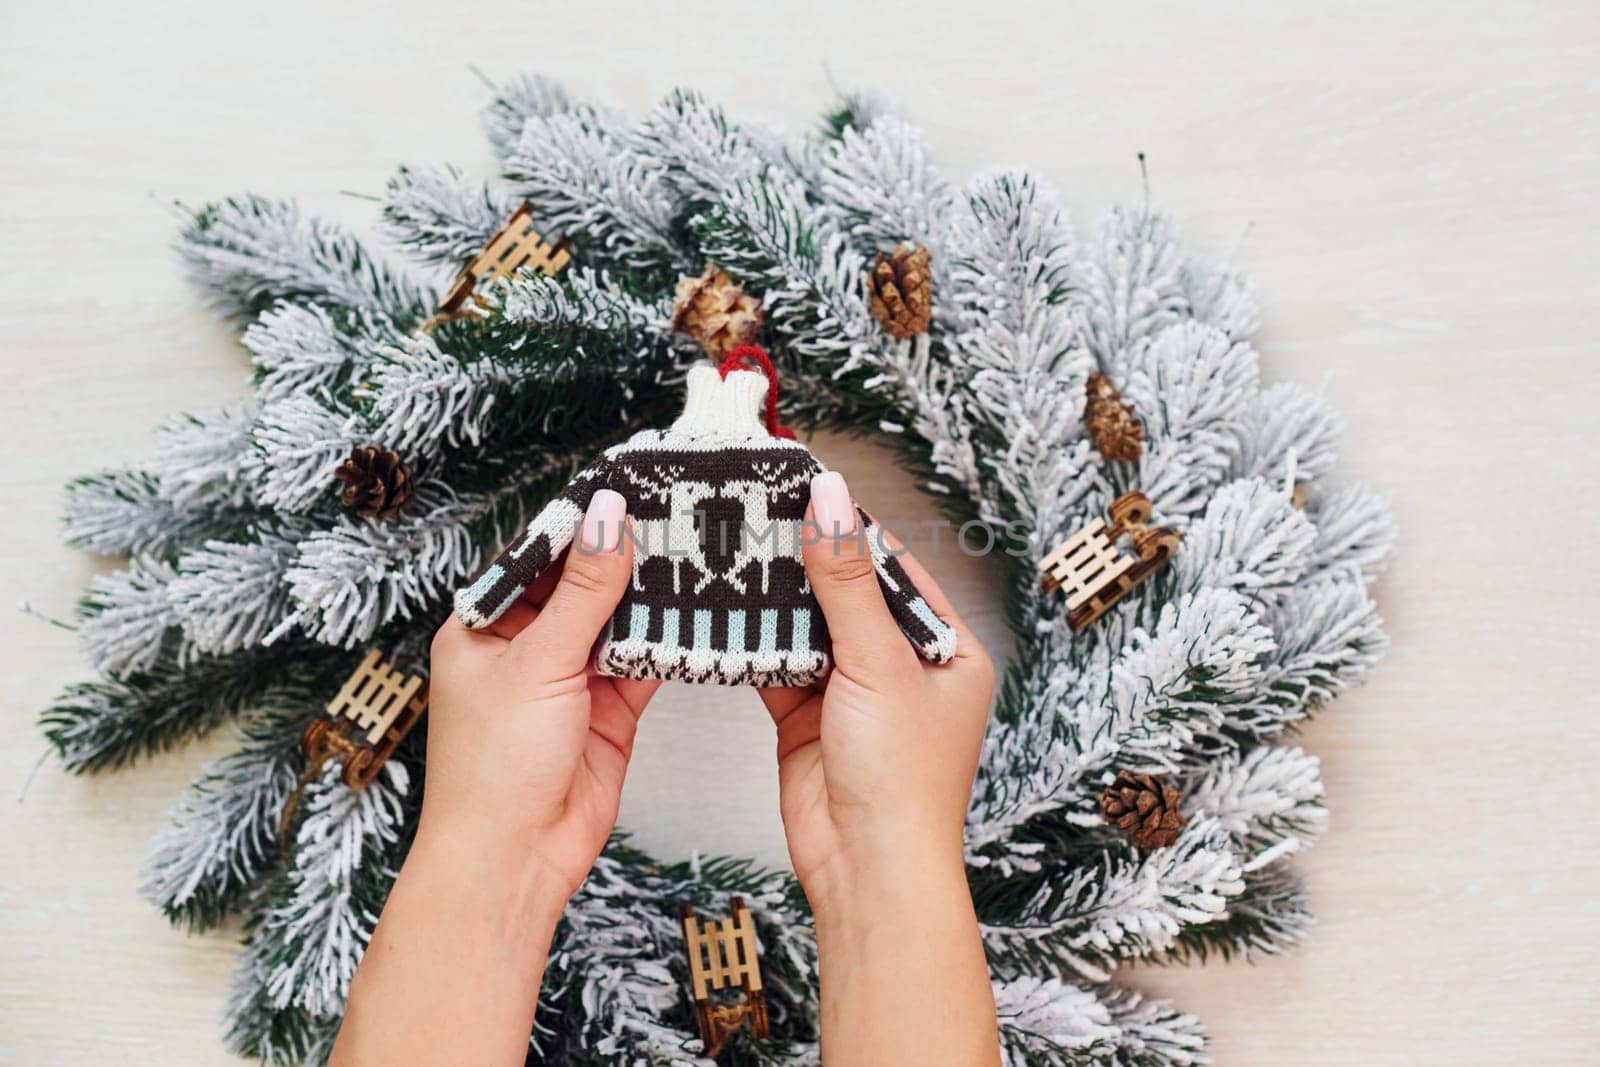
x,y
441,216
222,837
127,617
123,512
249,253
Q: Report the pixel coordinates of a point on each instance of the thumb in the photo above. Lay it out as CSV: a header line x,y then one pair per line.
x,y
595,575
840,569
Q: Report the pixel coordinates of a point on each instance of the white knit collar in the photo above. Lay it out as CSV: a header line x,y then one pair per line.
x,y
723,410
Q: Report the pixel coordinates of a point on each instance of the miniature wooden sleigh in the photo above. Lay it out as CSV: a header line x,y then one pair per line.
x,y
722,957
366,721
1090,570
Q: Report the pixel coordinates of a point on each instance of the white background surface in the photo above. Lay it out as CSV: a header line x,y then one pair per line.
x,y
1413,186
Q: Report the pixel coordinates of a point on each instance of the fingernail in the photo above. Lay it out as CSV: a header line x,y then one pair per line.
x,y
602,523
830,503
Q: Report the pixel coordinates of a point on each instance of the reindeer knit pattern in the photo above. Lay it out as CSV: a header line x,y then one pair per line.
x,y
719,592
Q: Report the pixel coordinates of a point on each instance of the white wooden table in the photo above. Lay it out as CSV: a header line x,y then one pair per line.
x,y
1412,185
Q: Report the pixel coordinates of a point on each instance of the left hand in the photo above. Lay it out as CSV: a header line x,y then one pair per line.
x,y
526,751
527,743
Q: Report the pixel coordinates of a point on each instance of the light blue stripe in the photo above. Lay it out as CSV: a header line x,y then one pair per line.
x,y
736,630
485,582
638,624
921,610
669,626
769,629
702,628
802,630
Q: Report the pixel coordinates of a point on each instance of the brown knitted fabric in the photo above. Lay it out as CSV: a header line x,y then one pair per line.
x,y
716,506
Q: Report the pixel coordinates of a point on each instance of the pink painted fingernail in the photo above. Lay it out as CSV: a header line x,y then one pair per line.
x,y
602,523
830,503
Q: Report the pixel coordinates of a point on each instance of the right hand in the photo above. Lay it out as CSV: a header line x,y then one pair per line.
x,y
876,761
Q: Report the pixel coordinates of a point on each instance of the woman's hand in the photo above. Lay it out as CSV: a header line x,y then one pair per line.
x,y
527,743
527,747
875,766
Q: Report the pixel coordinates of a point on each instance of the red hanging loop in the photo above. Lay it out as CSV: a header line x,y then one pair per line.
x,y
753,354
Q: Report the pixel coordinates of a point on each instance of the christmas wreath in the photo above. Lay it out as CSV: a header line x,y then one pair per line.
x,y
1138,798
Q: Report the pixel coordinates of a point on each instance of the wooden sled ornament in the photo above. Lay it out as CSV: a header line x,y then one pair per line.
x,y
1093,573
366,721
516,245
722,956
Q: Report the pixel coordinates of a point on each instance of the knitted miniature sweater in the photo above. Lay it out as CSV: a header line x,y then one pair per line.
x,y
719,592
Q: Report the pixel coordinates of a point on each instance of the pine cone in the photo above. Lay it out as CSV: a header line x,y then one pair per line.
x,y
1113,427
901,289
377,484
1144,806
715,311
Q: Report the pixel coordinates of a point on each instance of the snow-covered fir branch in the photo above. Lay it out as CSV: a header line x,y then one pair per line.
x,y
1268,917
1171,687
221,839
302,440
623,980
1249,538
1219,295
1355,530
1151,1031
878,180
811,280
458,386
248,253
1092,916
584,300
348,581
206,461
585,186
110,722
1287,430
1047,1020
1128,286
306,349
857,109
1027,771
1191,384
441,216
127,617
423,397
1269,800
619,955
258,1030
1171,697
122,512
696,148
1329,636
1015,348
528,96
228,595
322,913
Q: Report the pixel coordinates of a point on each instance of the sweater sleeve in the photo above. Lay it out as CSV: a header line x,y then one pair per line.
x,y
525,558
932,637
